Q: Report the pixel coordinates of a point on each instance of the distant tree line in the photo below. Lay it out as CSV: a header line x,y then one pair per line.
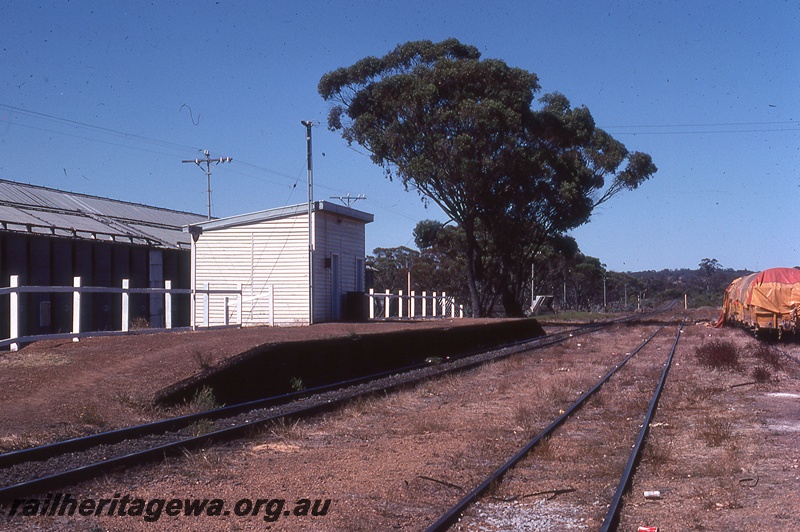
x,y
576,281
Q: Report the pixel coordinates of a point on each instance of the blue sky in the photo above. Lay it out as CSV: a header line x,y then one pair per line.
x,y
107,98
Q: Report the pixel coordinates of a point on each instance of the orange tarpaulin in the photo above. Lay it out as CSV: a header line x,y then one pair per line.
x,y
775,291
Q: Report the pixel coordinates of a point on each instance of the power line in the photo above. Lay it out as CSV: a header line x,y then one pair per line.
x,y
718,132
722,124
131,136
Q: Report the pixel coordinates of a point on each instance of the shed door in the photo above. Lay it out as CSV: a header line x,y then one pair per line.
x,y
336,289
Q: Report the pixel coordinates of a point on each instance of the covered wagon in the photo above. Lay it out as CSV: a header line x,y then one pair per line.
x,y
764,302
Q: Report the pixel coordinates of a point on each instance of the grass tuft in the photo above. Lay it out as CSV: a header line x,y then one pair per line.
x,y
761,374
768,354
715,431
718,354
202,359
203,400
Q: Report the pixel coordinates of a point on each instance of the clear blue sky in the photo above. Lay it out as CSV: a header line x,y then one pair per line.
x,y
107,98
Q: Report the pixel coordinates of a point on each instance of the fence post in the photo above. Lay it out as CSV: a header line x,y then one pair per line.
x,y
452,307
372,303
239,303
271,305
126,306
399,303
386,304
433,305
76,308
424,304
168,305
13,299
411,308
461,311
205,305
444,304
226,320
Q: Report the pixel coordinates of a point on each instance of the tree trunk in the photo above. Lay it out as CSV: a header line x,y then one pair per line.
x,y
511,303
472,281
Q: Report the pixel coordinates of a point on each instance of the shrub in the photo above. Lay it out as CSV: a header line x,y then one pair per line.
x,y
768,354
761,374
718,354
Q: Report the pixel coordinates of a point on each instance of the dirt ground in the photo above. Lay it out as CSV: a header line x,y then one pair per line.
x,y
722,452
56,389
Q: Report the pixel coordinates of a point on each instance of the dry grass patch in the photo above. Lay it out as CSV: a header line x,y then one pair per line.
x,y
525,416
16,442
715,430
767,354
21,359
718,354
425,425
657,456
287,429
204,464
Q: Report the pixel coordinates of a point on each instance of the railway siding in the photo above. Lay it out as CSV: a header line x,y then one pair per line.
x,y
398,460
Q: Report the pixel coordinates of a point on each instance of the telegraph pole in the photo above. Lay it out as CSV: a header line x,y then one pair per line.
x,y
207,161
308,124
349,200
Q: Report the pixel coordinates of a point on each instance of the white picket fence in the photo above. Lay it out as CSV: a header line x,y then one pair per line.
x,y
14,290
413,305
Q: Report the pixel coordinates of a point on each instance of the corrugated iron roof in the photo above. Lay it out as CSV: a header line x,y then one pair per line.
x,y
279,212
39,210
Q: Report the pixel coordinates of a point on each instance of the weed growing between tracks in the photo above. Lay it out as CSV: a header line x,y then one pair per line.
x,y
202,401
715,430
718,354
205,464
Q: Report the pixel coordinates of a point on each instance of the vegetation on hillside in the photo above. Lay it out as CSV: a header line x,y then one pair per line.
x,y
576,281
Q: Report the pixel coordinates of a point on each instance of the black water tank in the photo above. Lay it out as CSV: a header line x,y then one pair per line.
x,y
356,307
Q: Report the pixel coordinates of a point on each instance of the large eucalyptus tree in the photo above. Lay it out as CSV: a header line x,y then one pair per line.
x,y
463,131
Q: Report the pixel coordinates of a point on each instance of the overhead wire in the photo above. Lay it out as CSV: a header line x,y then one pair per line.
x,y
106,130
644,129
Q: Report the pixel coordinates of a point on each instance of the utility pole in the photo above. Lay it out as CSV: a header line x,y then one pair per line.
x,y
207,161
349,200
309,124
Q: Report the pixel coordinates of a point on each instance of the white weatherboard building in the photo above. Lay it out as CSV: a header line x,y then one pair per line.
x,y
266,254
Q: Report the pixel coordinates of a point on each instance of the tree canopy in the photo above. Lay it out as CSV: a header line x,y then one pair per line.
x,y
464,132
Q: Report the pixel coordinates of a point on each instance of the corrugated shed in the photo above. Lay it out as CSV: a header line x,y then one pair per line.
x,y
40,210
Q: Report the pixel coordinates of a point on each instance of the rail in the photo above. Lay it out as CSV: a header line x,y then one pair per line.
x,y
289,405
453,514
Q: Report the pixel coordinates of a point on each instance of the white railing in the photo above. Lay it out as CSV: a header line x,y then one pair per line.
x,y
413,305
14,290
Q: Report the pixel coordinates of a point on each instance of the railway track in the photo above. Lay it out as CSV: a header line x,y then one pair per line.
x,y
563,424
49,467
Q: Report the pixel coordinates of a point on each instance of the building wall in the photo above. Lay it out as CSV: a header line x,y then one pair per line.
x,y
274,253
345,237
269,253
